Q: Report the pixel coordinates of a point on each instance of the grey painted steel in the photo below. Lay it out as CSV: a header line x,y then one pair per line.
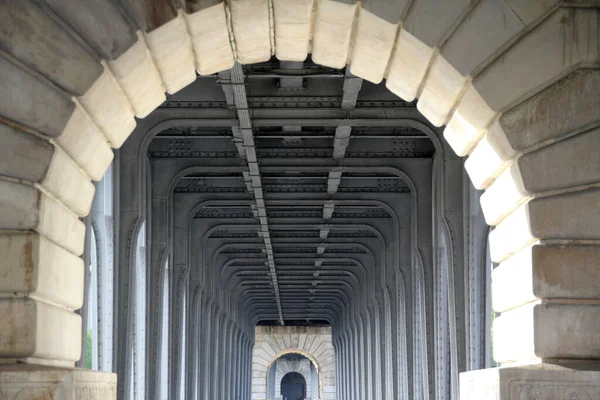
x,y
359,255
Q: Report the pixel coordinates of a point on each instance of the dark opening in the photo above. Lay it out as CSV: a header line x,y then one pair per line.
x,y
293,386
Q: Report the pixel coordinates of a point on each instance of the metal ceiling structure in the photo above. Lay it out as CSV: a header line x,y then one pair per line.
x,y
293,215
291,194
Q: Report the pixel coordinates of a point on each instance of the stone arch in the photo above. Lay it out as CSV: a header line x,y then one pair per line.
x,y
514,102
303,368
314,343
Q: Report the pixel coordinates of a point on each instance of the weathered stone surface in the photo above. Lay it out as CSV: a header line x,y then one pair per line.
x,y
138,77
110,109
567,216
564,107
210,38
293,22
23,207
34,38
315,343
192,6
547,331
23,156
569,163
408,66
65,180
503,196
546,272
543,381
150,14
441,91
512,234
390,11
492,155
332,33
429,21
468,123
568,37
373,42
36,329
34,266
491,24
171,48
84,143
32,102
100,23
251,28
40,382
570,271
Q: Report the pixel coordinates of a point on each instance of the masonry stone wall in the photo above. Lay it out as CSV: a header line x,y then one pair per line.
x,y
315,343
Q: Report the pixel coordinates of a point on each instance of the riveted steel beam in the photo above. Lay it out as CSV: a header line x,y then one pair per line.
x,y
235,93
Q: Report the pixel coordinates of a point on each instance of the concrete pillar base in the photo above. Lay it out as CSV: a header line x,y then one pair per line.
x,y
25,381
532,382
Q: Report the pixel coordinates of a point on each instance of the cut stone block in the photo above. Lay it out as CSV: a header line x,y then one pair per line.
x,y
23,207
539,57
36,39
68,184
171,48
504,196
468,123
150,15
567,216
429,21
571,216
441,91
332,32
567,272
542,381
210,38
390,11
373,43
102,24
39,330
568,163
408,66
31,265
110,109
512,234
252,30
84,143
547,272
564,107
293,23
547,331
138,77
490,25
492,155
23,156
32,102
40,382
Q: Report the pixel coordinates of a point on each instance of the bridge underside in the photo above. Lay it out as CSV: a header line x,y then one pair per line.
x,y
243,199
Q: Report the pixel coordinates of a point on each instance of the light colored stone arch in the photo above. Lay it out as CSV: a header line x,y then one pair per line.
x,y
516,83
314,343
284,367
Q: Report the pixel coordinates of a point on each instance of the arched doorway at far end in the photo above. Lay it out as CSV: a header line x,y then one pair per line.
x,y
293,386
293,376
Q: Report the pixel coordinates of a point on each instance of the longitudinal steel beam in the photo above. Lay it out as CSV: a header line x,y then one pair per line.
x,y
235,92
352,86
